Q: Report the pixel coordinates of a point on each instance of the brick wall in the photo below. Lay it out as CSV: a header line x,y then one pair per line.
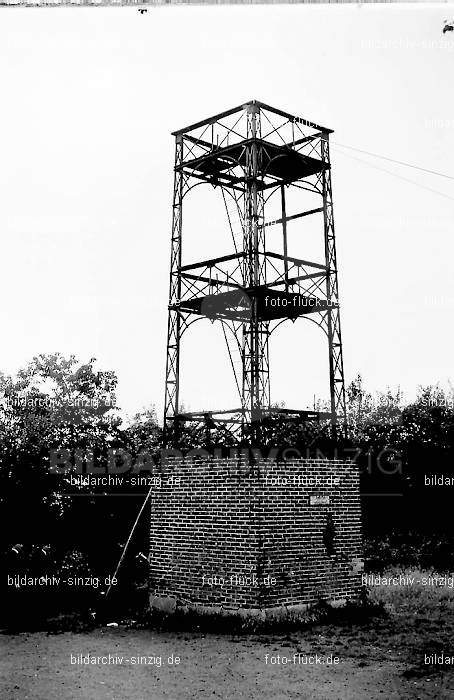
x,y
224,533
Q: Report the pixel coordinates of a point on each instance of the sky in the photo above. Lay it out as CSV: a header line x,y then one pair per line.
x,y
89,98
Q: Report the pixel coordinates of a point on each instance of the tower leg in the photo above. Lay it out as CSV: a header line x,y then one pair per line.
x,y
336,366
174,323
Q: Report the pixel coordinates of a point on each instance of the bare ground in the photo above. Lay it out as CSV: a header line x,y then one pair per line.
x,y
382,659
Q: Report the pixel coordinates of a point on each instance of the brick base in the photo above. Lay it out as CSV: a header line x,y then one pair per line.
x,y
226,536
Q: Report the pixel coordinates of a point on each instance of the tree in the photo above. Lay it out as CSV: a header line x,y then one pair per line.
x,y
53,403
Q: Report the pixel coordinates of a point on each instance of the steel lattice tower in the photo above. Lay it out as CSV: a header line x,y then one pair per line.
x,y
254,155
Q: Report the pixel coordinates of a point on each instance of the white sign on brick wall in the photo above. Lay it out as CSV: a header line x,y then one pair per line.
x,y
318,500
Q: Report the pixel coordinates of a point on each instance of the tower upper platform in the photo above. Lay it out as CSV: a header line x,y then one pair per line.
x,y
218,149
278,162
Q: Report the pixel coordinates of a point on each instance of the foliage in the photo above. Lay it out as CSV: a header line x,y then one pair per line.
x,y
54,404
57,403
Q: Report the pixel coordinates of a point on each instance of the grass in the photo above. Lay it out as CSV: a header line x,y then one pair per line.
x,y
418,598
420,620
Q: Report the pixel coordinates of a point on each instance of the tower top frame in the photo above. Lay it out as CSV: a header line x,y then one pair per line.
x,y
244,107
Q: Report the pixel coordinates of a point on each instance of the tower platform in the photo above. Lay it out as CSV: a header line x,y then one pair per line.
x,y
280,162
271,304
